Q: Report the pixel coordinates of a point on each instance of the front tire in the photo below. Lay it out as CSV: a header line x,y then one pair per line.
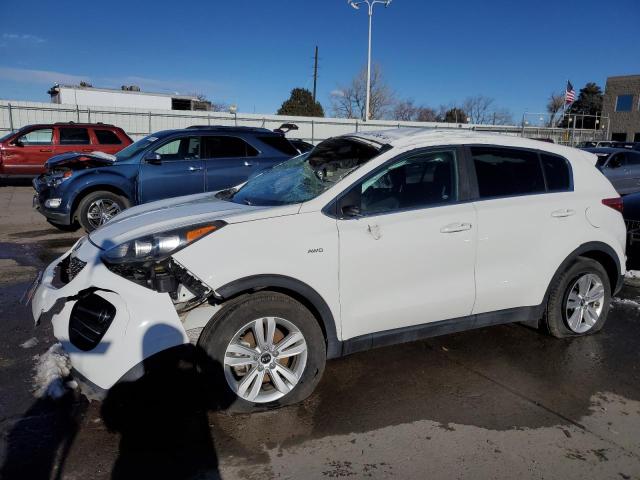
x,y
579,300
97,208
263,350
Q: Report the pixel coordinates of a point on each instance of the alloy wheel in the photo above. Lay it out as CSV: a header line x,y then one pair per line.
x,y
265,359
102,210
584,303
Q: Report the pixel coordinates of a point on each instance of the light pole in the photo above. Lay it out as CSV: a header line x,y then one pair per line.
x,y
370,3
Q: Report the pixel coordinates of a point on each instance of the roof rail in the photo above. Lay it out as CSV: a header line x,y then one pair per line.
x,y
229,128
71,122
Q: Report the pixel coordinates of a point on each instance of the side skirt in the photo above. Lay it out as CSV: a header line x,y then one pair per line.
x,y
528,315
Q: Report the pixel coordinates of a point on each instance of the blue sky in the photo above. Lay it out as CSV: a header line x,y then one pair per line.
x,y
252,52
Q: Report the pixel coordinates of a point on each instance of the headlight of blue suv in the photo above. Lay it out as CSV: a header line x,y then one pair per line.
x,y
160,245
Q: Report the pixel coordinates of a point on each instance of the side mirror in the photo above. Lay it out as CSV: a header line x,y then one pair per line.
x,y
351,211
153,158
18,142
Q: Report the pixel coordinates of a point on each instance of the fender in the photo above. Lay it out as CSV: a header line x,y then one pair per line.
x,y
301,291
95,180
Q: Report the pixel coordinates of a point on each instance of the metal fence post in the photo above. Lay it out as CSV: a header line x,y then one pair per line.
x,y
356,125
77,113
88,115
10,118
313,131
149,122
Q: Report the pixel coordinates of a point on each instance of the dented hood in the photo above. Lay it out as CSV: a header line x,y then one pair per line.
x,y
80,160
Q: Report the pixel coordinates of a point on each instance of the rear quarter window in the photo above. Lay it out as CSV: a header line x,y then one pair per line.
x,y
279,143
107,137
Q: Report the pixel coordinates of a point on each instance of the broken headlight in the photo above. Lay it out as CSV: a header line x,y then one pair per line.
x,y
158,246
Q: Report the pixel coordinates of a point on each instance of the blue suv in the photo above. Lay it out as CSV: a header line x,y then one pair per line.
x,y
90,188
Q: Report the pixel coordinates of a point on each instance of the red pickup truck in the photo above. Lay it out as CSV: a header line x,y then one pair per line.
x,y
24,152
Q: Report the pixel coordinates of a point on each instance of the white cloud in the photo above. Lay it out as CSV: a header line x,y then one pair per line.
x,y
337,93
23,37
40,77
50,77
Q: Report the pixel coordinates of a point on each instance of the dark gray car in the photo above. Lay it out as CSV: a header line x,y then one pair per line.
x,y
621,166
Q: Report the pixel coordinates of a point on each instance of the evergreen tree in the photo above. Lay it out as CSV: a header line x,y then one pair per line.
x,y
301,104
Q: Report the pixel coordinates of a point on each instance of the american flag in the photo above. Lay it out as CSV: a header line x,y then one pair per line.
x,y
569,94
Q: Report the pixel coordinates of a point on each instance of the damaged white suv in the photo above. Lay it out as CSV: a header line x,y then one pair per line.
x,y
372,239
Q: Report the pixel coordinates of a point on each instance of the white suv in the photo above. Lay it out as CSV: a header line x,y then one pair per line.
x,y
371,239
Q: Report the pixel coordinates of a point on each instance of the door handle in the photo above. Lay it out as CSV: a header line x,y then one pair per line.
x,y
563,212
46,150
248,164
195,169
456,227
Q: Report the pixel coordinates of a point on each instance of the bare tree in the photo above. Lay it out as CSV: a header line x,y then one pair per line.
x,y
554,105
479,109
501,116
426,114
213,106
405,110
350,101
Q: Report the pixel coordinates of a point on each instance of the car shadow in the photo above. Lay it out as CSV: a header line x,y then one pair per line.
x,y
16,182
39,442
161,418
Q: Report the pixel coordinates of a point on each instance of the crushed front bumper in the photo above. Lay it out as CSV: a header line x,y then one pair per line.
x,y
144,322
58,215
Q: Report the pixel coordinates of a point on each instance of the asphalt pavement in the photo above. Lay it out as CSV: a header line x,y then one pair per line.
x,y
499,402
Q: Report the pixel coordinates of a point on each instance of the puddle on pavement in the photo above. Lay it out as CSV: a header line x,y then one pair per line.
x,y
493,378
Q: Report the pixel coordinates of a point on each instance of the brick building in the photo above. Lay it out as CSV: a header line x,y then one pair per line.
x,y
622,105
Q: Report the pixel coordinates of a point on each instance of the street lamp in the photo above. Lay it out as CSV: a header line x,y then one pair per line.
x,y
356,5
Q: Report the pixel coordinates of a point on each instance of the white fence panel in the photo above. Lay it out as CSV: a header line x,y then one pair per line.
x,y
138,122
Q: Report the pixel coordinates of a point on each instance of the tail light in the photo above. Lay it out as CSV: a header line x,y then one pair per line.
x,y
615,203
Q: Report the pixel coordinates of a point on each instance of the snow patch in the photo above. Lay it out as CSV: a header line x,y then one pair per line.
x,y
32,342
52,368
632,274
625,301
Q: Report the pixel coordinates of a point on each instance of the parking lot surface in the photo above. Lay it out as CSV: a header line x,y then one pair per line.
x,y
499,402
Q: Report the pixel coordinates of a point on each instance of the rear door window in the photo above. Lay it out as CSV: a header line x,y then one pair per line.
x,y
226,147
506,172
41,136
73,136
107,137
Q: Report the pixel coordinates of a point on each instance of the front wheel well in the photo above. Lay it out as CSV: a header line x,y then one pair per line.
x,y
295,289
95,188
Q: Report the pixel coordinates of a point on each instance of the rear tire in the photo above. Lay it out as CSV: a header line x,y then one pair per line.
x,y
579,299
96,208
262,351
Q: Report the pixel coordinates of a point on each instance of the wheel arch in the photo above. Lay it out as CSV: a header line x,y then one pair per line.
x,y
601,253
107,187
296,289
